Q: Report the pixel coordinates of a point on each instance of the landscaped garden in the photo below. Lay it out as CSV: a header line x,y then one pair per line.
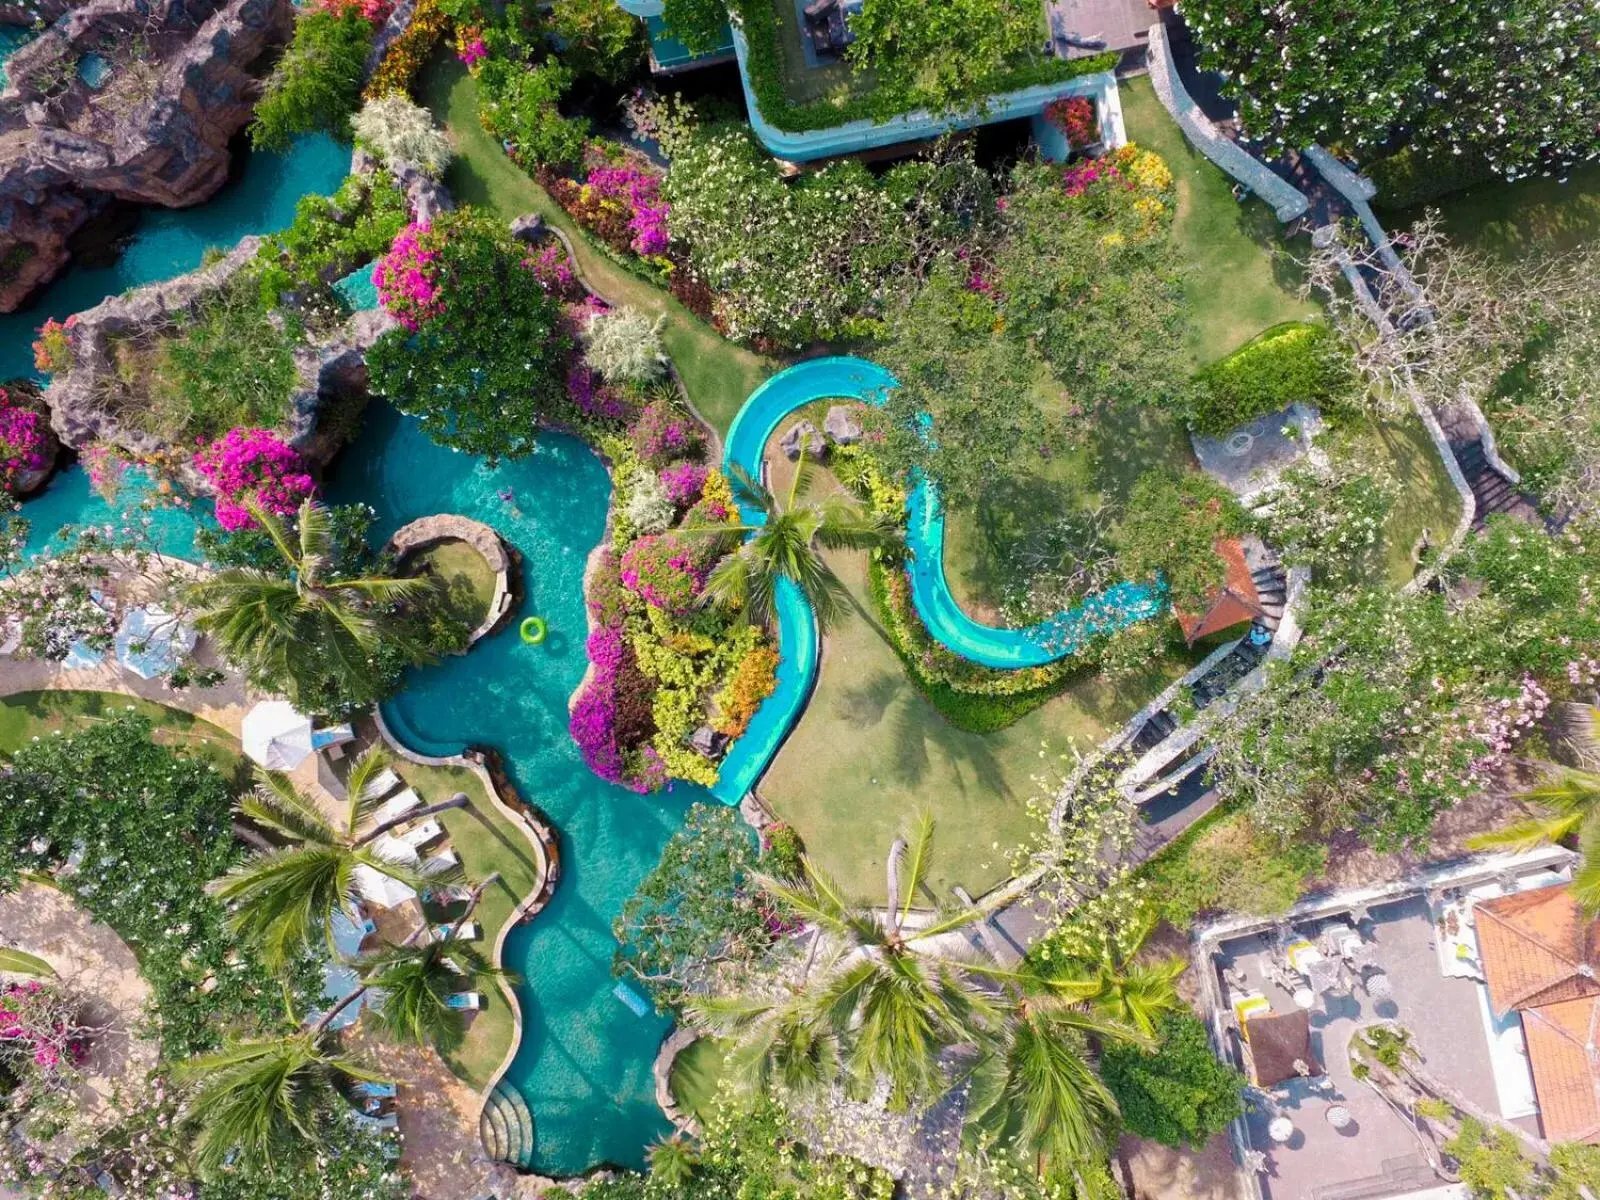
x,y
850,512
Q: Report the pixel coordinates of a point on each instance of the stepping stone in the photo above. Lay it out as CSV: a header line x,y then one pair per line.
x,y
842,425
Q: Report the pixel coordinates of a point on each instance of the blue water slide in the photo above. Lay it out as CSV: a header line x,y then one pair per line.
x,y
848,378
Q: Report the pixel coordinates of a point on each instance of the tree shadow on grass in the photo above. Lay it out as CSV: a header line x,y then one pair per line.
x,y
863,705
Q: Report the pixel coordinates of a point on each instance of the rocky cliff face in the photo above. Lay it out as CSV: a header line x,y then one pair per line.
x,y
183,81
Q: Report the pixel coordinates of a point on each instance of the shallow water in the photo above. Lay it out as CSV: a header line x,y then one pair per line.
x,y
584,1064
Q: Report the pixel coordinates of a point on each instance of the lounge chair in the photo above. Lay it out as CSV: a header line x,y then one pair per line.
x,y
333,740
383,1124
394,850
397,806
381,1091
437,864
419,836
469,931
465,1001
381,784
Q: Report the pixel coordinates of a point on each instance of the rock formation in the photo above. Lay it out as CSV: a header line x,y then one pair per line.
x,y
183,81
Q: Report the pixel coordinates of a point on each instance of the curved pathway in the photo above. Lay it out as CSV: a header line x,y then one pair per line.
x,y
1034,645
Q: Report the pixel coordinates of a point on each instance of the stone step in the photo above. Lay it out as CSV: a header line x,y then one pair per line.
x,y
492,1130
522,1117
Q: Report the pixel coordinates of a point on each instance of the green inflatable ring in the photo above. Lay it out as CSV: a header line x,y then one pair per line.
x,y
533,630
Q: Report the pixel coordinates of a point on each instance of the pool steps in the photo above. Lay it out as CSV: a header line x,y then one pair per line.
x,y
506,1127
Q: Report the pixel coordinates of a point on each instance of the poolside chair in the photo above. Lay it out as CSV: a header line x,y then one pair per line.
x,y
437,864
331,740
393,850
381,784
420,835
383,1124
397,806
469,932
465,1001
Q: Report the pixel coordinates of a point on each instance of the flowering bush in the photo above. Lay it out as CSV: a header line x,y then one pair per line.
x,y
752,681
376,11
612,715
106,466
398,130
38,1029
470,46
592,397
1074,116
650,509
663,572
407,277
26,444
552,266
1086,173
52,350
624,345
408,52
662,434
253,464
684,483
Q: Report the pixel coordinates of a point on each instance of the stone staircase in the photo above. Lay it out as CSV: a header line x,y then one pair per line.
x,y
1493,492
506,1127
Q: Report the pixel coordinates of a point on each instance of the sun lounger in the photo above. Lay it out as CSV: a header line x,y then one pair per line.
x,y
381,1124
381,784
397,806
465,1001
420,835
382,1091
392,849
469,931
446,860
327,739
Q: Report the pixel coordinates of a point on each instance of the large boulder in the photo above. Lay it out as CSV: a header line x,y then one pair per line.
x,y
67,149
842,425
803,437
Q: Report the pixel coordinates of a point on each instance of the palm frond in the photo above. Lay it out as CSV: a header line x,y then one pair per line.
x,y
275,803
750,491
918,858
358,783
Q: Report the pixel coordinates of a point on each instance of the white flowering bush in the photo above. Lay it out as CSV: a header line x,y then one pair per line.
x,y
624,345
1331,519
396,130
649,509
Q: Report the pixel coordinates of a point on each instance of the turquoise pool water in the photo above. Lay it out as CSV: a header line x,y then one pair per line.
x,y
70,501
259,199
94,70
359,289
12,39
584,1065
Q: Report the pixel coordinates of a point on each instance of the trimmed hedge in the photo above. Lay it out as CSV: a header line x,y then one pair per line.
x,y
759,20
1409,177
1294,361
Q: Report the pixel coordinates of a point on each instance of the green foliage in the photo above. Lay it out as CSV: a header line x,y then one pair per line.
x,y
1491,1161
696,911
1170,530
519,105
1573,1165
1331,520
1510,83
624,344
599,38
1226,866
943,56
765,65
484,372
316,85
331,235
698,24
1180,1094
1410,177
1290,363
782,852
143,868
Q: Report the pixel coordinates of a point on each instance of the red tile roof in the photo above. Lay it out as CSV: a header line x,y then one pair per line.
x,y
1236,602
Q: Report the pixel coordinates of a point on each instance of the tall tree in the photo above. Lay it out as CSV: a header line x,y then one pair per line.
x,y
1568,805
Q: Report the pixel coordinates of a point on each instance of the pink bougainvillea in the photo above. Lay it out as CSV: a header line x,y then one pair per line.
x,y
684,482
663,572
24,440
595,715
1074,116
553,269
407,278
31,1022
663,434
592,397
633,190
1083,175
253,464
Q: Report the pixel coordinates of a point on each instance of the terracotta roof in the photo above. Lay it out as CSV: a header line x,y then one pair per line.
x,y
1560,1039
1537,948
1276,1041
1234,603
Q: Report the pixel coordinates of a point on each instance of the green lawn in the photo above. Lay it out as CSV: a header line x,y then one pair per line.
x,y
1509,219
484,839
718,374
696,1072
1428,500
1238,284
465,575
27,716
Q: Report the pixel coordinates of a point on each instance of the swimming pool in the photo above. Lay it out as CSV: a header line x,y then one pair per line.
x,y
584,1064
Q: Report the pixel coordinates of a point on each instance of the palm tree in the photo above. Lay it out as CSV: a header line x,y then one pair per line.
x,y
284,898
784,544
1112,982
295,628
1569,804
262,1097
672,1161
415,986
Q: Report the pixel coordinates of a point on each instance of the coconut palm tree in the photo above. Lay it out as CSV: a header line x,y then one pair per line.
x,y
414,988
672,1162
261,1098
784,544
1568,804
283,899
295,628
1111,980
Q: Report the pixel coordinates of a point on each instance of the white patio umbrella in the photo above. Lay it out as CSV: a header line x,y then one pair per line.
x,y
276,736
383,890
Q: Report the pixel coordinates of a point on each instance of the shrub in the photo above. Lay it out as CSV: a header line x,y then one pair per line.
x,y
26,443
397,131
332,234
650,509
1290,363
253,464
1170,531
598,38
661,571
1074,116
1226,866
684,482
592,397
782,851
1410,177
409,51
607,598
663,434
1180,1094
619,201
52,350
408,278
519,106
317,83
624,345
752,681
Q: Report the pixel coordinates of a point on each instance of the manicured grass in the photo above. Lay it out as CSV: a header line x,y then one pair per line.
x,y
28,716
464,574
1428,500
696,1072
870,751
1510,219
718,374
1237,285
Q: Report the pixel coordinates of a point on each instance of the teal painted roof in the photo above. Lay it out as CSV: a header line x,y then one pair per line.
x,y
671,54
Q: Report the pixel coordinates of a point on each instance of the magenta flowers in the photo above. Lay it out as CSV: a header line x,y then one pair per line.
x,y
662,572
253,464
684,482
640,191
592,397
23,439
407,277
663,434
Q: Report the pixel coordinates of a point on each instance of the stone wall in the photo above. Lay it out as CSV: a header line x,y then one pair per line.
x,y
157,132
